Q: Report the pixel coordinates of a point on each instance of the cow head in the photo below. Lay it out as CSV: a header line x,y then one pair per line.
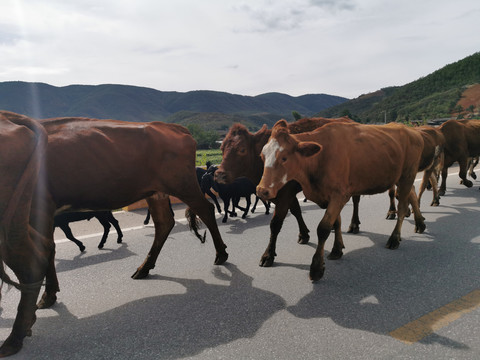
x,y
283,156
241,154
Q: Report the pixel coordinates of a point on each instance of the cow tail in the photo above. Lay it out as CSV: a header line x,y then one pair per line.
x,y
194,224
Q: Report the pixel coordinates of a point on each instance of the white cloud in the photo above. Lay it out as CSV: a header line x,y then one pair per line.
x,y
345,47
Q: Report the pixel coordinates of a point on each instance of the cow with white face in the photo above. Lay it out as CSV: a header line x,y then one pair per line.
x,y
276,158
341,160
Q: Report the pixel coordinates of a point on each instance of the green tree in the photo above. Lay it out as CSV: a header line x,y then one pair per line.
x,y
296,115
204,139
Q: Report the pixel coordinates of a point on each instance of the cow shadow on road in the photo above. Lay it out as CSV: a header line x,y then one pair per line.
x,y
160,327
378,290
85,259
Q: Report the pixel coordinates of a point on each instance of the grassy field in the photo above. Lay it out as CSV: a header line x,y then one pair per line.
x,y
214,156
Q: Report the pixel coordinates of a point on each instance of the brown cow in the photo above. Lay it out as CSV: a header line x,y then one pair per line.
x,y
431,164
341,160
241,157
106,164
462,140
22,146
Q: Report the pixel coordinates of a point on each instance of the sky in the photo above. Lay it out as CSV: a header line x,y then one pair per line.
x,y
248,47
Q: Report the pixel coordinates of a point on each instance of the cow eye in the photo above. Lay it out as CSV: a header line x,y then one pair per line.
x,y
284,159
242,151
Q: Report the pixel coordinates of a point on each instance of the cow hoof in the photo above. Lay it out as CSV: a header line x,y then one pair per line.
x,y
10,346
141,273
100,246
267,261
353,229
82,248
467,183
221,258
391,215
335,254
420,228
46,301
316,274
303,239
393,242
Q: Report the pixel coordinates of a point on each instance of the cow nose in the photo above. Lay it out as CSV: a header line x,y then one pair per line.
x,y
263,193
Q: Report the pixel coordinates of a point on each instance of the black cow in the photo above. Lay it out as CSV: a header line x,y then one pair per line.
x,y
104,217
200,172
240,187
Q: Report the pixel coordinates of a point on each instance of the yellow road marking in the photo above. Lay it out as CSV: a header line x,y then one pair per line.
x,y
431,322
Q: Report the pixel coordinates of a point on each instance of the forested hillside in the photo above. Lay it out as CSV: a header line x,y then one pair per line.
x,y
434,96
212,109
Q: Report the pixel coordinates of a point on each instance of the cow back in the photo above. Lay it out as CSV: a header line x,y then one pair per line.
x,y
107,164
360,159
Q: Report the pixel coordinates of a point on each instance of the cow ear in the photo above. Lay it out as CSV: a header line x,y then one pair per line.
x,y
308,148
262,130
281,123
260,138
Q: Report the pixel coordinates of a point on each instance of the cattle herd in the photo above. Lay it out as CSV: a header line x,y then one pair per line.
x,y
54,171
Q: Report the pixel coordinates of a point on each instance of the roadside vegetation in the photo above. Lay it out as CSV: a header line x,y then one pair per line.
x,y
212,155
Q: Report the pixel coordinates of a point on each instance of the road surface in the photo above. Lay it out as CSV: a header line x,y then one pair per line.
x,y
420,301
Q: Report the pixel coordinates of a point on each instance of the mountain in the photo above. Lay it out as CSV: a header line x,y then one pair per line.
x,y
212,109
438,95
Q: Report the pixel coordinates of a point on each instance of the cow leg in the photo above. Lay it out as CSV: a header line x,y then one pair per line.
x,y
249,202
436,196
214,198
276,223
24,319
471,168
284,201
235,205
41,230
49,296
463,172
392,211
147,218
255,204
163,220
425,179
289,197
267,206
419,219
106,230
354,227
338,246
443,184
448,161
115,224
68,233
406,194
28,262
206,212
332,215
226,205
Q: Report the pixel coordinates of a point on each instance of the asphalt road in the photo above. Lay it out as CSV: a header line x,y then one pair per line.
x,y
189,308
